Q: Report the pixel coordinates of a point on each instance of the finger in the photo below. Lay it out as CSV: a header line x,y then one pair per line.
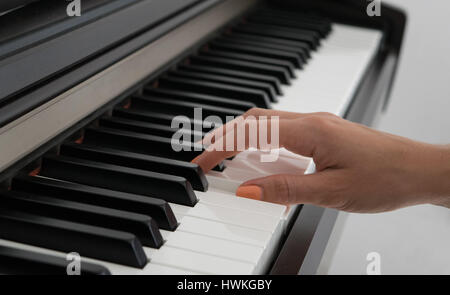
x,y
299,136
290,189
246,133
257,113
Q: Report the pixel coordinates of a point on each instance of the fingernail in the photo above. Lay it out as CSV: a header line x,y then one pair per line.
x,y
250,192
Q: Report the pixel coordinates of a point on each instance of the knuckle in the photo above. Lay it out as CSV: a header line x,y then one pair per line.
x,y
289,187
325,123
318,123
344,204
286,184
280,187
327,114
255,112
252,112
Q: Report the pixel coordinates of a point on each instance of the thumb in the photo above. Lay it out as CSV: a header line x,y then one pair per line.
x,y
288,189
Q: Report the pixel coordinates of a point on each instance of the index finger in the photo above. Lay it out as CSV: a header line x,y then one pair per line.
x,y
293,135
254,112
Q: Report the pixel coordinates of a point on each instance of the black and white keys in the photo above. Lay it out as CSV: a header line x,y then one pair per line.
x,y
131,204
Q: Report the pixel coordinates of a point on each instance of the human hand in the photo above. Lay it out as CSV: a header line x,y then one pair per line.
x,y
358,169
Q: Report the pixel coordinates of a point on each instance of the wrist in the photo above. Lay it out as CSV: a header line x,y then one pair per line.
x,y
438,176
425,174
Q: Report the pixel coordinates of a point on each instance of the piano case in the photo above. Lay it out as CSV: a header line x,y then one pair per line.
x,y
41,58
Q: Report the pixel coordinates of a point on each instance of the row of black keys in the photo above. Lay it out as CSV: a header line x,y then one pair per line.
x,y
108,196
250,63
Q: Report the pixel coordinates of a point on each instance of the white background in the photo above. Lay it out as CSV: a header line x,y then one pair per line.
x,y
414,240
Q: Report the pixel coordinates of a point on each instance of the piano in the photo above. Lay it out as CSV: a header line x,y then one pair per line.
x,y
86,105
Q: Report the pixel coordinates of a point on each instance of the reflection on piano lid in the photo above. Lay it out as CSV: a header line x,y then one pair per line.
x,y
7,5
92,170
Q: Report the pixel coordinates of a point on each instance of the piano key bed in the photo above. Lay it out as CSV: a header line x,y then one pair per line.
x,y
121,197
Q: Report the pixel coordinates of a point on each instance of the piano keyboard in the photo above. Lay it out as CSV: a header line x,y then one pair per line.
x,y
122,198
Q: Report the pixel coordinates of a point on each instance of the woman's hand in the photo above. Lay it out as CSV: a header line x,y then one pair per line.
x,y
358,169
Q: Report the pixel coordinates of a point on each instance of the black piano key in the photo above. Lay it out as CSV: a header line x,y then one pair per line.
x,y
258,51
274,82
266,87
192,172
257,41
89,241
288,66
257,97
312,38
144,144
323,28
278,33
140,143
303,47
200,98
310,33
14,261
170,188
180,107
250,67
291,15
158,209
157,118
147,128
140,225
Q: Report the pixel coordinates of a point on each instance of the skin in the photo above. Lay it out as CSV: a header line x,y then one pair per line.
x,y
358,169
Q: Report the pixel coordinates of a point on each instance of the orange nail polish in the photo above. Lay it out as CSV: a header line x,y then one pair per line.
x,y
250,192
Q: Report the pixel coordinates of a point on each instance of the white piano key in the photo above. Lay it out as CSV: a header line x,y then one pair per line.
x,y
199,262
198,251
260,257
155,269
354,37
271,248
224,231
286,162
232,225
329,81
222,184
248,205
213,246
150,269
164,261
218,246
236,175
115,269
226,215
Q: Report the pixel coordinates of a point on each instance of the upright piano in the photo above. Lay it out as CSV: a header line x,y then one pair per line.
x,y
86,105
